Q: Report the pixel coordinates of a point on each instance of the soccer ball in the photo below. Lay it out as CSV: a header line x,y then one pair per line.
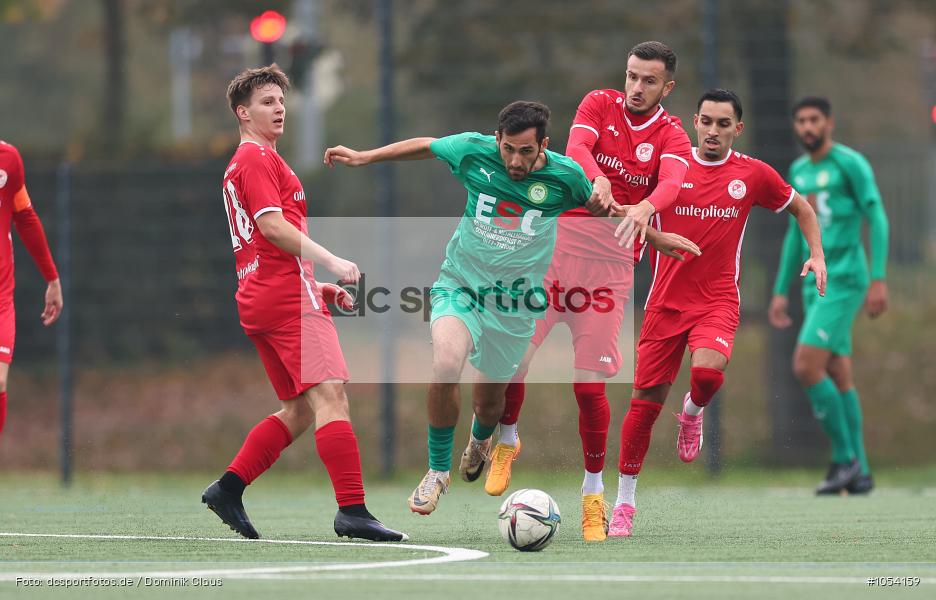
x,y
529,519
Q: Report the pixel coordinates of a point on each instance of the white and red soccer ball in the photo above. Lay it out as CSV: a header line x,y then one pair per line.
x,y
529,520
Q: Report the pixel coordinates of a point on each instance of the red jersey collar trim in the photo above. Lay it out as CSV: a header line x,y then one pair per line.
x,y
649,122
710,163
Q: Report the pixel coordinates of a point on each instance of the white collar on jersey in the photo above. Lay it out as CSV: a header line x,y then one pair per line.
x,y
645,125
257,143
710,163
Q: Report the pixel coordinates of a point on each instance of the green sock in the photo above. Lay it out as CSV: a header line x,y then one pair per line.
x,y
827,408
481,432
852,409
441,441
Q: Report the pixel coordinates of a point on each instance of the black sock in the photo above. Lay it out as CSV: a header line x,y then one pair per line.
x,y
231,483
356,510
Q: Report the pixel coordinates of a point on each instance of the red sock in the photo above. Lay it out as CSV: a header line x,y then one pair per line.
x,y
338,448
635,434
703,384
261,449
514,401
2,410
594,419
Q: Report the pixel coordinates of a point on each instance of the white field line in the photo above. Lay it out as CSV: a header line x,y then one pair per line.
x,y
447,555
333,571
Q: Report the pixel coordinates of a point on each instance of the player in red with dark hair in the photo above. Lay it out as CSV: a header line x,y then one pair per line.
x,y
16,208
282,310
696,302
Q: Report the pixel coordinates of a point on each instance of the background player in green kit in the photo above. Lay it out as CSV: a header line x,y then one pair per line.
x,y
489,291
839,183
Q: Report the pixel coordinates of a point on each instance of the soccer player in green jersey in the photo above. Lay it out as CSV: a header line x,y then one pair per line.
x,y
839,183
489,292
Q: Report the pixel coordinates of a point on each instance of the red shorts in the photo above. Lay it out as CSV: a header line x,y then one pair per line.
x,y
665,334
301,354
7,331
590,296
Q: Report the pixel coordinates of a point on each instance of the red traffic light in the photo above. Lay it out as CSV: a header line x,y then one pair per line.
x,y
268,27
933,114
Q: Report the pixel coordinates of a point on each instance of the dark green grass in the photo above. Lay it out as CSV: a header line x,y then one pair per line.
x,y
747,524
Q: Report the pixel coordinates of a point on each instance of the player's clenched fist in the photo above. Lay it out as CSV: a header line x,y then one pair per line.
x,y
337,295
346,270
777,312
602,200
345,156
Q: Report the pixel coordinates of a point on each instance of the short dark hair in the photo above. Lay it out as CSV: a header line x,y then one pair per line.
x,y
655,51
245,82
519,116
819,102
720,95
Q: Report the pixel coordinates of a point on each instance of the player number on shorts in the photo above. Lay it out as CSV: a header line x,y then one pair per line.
x,y
237,218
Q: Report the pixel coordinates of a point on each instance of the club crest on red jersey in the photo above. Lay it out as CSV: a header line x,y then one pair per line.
x,y
737,189
3,178
644,152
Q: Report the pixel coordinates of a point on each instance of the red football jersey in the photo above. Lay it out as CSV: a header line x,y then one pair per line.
x,y
273,287
13,198
712,210
628,153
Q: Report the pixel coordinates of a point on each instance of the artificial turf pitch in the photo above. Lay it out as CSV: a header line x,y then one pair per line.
x,y
749,534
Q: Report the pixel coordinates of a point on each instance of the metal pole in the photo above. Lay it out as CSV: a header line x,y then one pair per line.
x,y
269,54
181,53
308,15
63,328
386,201
710,79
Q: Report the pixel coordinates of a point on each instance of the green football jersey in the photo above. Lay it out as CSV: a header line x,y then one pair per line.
x,y
506,237
842,190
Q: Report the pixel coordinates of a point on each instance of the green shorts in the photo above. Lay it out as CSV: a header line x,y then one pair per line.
x,y
499,341
830,318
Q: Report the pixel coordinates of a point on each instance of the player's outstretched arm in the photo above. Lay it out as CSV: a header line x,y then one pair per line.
x,y
282,234
412,149
809,225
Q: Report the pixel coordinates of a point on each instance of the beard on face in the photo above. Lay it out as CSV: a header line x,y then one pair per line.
x,y
643,109
812,144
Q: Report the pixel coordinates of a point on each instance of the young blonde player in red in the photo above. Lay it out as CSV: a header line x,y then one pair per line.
x,y
283,312
16,209
696,302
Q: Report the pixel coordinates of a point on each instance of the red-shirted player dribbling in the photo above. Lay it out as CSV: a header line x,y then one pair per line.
x,y
635,154
697,302
16,208
283,311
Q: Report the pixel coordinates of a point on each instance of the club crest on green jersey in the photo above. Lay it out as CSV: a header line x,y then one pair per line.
x,y
537,193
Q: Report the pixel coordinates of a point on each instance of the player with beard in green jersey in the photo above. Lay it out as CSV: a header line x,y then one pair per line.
x,y
839,183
